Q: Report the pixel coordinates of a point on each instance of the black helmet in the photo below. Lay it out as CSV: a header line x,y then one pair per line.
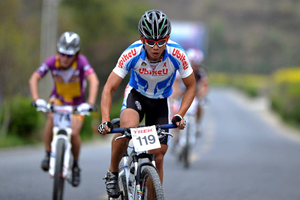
x,y
154,24
68,43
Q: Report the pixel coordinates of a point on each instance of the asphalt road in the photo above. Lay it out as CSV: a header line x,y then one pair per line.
x,y
240,155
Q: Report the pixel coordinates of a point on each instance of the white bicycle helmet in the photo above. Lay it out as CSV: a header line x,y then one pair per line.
x,y
195,55
154,24
68,43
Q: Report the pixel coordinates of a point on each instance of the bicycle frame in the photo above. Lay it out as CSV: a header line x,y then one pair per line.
x,y
62,120
134,161
61,156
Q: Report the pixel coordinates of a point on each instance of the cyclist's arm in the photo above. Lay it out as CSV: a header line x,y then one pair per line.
x,y
112,83
93,88
33,85
189,94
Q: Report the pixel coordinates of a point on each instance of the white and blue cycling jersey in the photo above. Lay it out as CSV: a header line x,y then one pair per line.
x,y
155,83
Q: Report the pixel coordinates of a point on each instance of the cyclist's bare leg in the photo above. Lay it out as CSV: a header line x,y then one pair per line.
x,y
199,113
128,118
198,120
76,140
159,158
48,132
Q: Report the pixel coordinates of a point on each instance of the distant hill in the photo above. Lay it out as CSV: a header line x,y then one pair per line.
x,y
244,36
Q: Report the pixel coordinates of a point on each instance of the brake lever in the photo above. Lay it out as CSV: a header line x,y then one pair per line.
x,y
126,134
163,132
120,137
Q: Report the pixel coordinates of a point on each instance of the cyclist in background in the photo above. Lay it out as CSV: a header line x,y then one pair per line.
x,y
69,71
196,58
153,61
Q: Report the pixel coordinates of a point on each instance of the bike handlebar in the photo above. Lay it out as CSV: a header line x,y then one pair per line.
x,y
122,130
127,134
50,108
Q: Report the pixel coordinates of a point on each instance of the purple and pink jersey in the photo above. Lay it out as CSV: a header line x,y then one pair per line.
x,y
69,84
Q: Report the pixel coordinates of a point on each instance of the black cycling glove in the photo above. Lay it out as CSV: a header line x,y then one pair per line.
x,y
177,118
101,126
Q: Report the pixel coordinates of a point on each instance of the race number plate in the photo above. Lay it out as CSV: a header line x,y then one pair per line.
x,y
63,116
145,138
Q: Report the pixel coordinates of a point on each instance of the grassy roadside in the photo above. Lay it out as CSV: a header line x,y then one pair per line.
x,y
22,132
282,89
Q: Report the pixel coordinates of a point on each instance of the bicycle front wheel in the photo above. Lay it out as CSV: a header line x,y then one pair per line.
x,y
151,185
122,181
58,187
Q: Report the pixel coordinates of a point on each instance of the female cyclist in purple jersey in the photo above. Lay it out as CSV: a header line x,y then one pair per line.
x,y
69,71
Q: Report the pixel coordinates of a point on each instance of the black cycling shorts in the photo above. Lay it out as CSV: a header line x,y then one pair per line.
x,y
156,111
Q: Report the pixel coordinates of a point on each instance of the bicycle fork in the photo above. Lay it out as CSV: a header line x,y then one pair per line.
x,y
64,134
137,172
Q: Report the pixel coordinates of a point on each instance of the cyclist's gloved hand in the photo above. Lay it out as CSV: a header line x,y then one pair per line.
x,y
85,107
40,103
102,129
178,121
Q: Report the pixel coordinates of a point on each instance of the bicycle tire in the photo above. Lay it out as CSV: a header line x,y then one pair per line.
x,y
150,178
122,182
58,187
186,150
185,153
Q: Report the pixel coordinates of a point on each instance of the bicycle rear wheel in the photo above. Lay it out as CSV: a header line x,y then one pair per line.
x,y
151,186
58,186
186,149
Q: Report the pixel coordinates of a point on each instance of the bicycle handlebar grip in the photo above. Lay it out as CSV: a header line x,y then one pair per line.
x,y
116,130
168,126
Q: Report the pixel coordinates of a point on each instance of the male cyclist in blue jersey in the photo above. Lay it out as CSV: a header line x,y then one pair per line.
x,y
153,61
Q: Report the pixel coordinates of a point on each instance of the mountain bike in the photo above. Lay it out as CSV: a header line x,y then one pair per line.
x,y
187,137
138,178
61,156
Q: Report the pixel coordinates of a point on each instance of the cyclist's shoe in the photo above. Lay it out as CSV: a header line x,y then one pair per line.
x,y
112,186
45,164
75,176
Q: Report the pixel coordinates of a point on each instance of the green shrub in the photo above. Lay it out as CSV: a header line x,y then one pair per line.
x,y
295,114
87,131
285,94
24,119
91,123
276,104
251,84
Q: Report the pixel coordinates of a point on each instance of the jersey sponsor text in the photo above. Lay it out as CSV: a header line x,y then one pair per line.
x,y
181,57
125,57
